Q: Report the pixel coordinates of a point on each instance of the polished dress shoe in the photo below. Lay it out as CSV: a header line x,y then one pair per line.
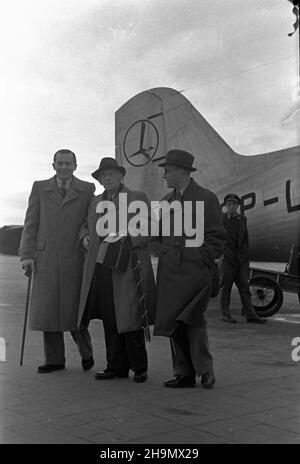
x,y
50,368
140,378
229,319
87,364
208,380
256,320
181,381
108,374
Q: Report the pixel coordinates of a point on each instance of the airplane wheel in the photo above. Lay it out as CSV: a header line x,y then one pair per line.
x,y
266,295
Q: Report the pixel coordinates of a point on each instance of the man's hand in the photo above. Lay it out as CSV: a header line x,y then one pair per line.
x,y
28,266
86,242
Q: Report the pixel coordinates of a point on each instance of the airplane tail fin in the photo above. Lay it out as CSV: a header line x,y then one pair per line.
x,y
157,120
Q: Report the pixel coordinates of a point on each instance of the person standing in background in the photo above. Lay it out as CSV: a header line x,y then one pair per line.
x,y
235,262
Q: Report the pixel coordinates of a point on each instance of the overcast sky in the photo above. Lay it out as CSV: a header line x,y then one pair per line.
x,y
67,66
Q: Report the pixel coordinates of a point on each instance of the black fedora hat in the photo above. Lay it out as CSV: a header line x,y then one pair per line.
x,y
108,163
180,158
232,197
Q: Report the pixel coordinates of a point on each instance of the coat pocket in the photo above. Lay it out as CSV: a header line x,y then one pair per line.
x,y
40,245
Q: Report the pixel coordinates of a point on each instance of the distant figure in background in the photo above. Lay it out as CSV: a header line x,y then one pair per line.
x,y
50,247
235,261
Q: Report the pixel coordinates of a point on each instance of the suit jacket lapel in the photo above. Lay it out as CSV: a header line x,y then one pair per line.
x,y
74,191
116,201
53,191
189,192
55,195
95,216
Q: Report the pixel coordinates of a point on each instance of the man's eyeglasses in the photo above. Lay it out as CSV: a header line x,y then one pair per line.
x,y
167,171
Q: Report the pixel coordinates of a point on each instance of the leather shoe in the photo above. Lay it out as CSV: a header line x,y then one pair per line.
x,y
140,378
87,364
208,380
181,381
108,374
50,368
256,320
229,319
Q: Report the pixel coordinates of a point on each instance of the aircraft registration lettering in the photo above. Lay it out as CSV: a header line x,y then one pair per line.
x,y
244,198
248,200
290,208
271,201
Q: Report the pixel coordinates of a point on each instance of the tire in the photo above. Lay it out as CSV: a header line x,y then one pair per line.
x,y
266,295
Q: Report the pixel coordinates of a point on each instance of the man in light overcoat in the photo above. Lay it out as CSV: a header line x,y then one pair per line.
x,y
50,247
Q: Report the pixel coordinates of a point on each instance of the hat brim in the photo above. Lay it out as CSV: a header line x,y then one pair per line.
x,y
96,173
232,199
178,165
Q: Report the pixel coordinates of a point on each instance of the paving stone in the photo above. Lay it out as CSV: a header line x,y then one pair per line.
x,y
86,430
243,431
255,399
107,438
139,426
186,436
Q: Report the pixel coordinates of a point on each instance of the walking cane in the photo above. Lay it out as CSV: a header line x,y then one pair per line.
x,y
26,314
136,264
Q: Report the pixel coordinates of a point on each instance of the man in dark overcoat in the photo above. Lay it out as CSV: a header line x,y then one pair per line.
x,y
50,247
111,294
184,275
235,261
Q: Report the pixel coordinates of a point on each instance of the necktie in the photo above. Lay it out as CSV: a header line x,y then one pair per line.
x,y
63,188
177,195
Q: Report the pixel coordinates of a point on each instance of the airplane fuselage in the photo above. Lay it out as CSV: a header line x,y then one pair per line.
x,y
157,120
271,202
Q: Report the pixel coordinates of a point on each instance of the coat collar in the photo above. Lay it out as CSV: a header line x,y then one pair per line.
x,y
189,192
55,195
123,189
239,216
102,197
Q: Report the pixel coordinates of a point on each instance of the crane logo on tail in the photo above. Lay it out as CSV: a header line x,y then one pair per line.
x,y
140,142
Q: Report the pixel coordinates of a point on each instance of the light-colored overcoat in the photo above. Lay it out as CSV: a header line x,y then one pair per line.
x,y
51,237
127,311
184,274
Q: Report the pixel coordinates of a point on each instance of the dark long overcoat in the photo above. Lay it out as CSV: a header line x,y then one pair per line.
x,y
51,237
184,273
127,312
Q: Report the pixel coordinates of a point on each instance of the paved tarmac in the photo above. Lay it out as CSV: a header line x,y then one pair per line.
x,y
255,400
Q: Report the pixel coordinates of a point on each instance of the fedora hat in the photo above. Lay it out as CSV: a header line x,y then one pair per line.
x,y
108,163
180,158
232,197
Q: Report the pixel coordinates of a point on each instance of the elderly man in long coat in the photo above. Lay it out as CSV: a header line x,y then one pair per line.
x,y
50,247
111,294
185,273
